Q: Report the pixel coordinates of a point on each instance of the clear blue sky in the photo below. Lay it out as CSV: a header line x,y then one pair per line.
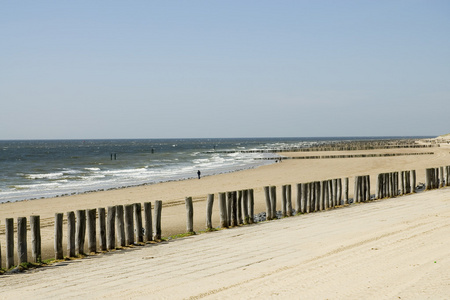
x,y
180,69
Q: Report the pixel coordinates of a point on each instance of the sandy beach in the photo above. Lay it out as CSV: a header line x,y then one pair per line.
x,y
290,171
383,221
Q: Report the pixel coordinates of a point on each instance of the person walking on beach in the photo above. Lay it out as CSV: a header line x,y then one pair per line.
x,y
198,173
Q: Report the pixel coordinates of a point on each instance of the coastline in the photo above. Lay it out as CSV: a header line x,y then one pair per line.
x,y
173,193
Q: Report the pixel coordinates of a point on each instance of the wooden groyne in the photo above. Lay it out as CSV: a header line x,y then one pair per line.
x,y
341,146
115,227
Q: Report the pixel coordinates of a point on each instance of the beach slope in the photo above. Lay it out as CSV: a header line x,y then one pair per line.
x,y
385,249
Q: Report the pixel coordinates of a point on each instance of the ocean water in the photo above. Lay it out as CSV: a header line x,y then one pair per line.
x,y
49,168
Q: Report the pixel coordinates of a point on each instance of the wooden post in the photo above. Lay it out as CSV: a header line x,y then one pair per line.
x,y
298,201
308,197
189,215
273,201
137,209
102,228
378,190
234,210
330,193
120,226
251,206
268,203
209,208
110,228
80,232
91,230
345,190
22,240
339,191
427,179
334,185
304,196
35,226
239,207
312,194
9,230
223,210
59,236
71,233
283,201
245,206
229,207
129,224
356,192
289,200
441,176
157,220
436,178
148,230
367,187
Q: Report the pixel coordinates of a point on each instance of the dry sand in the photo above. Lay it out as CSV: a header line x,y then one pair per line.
x,y
270,254
387,249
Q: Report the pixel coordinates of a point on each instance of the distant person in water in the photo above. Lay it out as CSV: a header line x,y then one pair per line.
x,y
198,173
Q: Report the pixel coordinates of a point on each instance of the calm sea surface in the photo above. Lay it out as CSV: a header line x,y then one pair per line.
x,y
48,168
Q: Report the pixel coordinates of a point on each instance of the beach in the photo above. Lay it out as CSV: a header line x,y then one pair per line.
x,y
173,194
289,171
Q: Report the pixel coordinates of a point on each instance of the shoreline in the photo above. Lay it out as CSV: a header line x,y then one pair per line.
x,y
173,193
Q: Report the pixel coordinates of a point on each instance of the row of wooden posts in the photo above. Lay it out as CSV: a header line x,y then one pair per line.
x,y
122,225
437,177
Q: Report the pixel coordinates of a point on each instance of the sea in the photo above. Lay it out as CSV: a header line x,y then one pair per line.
x,y
34,169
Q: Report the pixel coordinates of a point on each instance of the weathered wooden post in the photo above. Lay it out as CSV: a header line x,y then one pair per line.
x,y
304,196
334,186
339,191
137,209
22,240
233,201
436,178
35,226
245,206
441,176
268,203
346,191
330,193
356,192
189,215
427,179
157,220
223,210
283,201
229,207
413,181
289,200
308,197
59,236
129,224
110,228
209,208
367,187
80,232
91,230
120,226
9,231
71,233
251,206
239,207
148,230
102,228
298,200
273,201
324,185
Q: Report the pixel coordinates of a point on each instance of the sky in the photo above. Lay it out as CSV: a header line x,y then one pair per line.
x,y
218,69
